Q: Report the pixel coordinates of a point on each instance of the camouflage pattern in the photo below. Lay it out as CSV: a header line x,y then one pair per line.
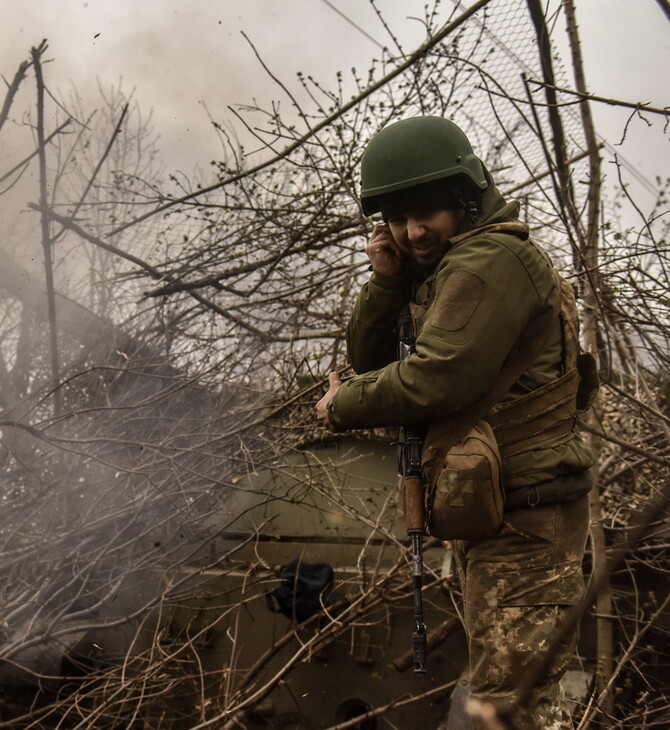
x,y
518,587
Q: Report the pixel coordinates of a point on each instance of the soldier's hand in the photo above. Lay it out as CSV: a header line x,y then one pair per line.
x,y
385,256
334,384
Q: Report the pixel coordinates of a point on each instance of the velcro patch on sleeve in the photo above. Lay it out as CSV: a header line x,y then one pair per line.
x,y
457,299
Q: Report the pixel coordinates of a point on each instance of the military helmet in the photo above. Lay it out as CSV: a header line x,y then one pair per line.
x,y
413,152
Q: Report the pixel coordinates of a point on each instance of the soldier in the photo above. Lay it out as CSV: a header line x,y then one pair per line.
x,y
452,248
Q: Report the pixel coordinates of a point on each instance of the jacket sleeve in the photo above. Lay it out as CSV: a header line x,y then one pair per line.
x,y
372,329
485,295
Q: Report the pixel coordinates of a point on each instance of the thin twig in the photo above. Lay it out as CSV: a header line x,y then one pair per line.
x,y
638,106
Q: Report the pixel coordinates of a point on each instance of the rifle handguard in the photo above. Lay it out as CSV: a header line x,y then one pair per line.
x,y
415,509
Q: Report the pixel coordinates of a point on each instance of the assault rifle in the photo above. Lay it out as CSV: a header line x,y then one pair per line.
x,y
410,444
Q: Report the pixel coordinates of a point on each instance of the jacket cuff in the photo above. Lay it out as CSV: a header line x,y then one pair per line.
x,y
332,414
398,283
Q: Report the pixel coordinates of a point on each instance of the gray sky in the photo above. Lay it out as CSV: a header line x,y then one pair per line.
x,y
177,54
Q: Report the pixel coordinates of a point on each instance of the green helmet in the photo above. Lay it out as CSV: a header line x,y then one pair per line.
x,y
415,151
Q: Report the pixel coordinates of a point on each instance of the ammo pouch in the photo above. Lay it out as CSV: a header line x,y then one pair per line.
x,y
464,495
589,381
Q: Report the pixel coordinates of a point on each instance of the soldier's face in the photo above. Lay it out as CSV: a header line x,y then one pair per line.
x,y
423,235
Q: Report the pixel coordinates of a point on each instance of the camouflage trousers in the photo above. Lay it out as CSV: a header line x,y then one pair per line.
x,y
518,587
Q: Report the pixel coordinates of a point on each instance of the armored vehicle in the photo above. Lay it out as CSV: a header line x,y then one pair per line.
x,y
309,622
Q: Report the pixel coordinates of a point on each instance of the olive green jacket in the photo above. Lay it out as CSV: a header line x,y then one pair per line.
x,y
473,308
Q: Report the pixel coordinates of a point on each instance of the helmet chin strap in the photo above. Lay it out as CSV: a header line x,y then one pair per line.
x,y
473,211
